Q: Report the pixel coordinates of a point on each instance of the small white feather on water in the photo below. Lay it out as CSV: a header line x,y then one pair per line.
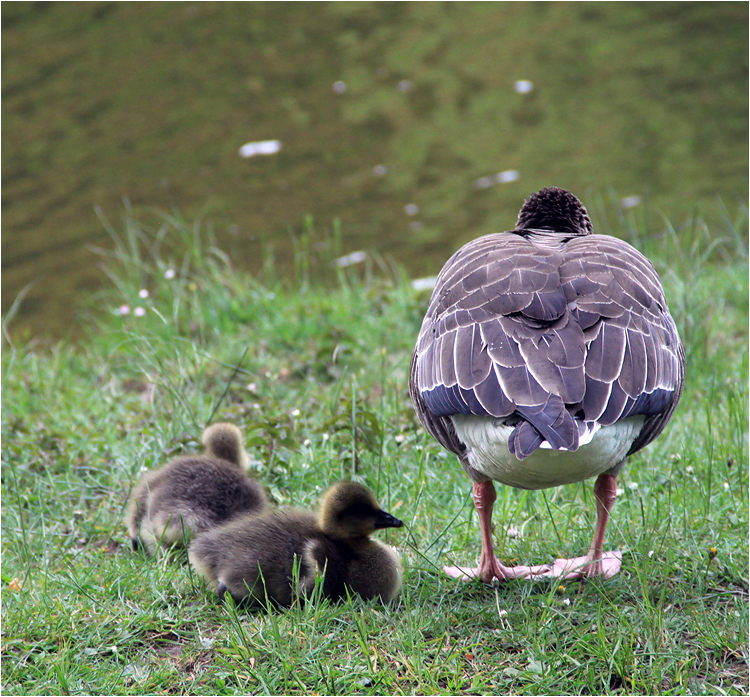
x,y
509,175
523,86
504,177
261,147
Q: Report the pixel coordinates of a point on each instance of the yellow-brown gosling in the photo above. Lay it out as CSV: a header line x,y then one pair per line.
x,y
194,493
277,555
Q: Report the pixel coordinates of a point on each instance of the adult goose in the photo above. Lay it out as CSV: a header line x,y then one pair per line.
x,y
547,356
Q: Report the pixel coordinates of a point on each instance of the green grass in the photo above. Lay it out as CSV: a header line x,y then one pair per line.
x,y
314,371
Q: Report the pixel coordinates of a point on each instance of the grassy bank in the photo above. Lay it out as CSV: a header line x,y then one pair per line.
x,y
314,371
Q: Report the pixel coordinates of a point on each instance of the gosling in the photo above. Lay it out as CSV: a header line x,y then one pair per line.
x,y
194,493
277,556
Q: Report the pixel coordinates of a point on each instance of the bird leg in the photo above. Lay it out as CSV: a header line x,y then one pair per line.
x,y
489,567
595,564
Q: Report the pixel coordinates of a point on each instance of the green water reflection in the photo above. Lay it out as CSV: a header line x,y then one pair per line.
x,y
393,117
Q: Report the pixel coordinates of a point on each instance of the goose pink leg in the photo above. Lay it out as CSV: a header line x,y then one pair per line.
x,y
489,567
595,564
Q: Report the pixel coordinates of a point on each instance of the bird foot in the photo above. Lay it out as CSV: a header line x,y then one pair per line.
x,y
585,567
488,573
562,569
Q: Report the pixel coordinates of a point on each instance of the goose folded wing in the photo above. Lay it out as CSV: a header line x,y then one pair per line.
x,y
497,339
634,361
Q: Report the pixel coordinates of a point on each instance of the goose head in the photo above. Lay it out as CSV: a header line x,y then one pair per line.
x,y
350,510
554,209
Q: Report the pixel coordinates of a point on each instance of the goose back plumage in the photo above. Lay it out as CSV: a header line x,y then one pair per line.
x,y
552,329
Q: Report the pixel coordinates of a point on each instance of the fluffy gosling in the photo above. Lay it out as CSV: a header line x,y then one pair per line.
x,y
194,493
277,555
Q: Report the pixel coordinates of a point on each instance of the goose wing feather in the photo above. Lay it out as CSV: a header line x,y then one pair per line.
x,y
547,329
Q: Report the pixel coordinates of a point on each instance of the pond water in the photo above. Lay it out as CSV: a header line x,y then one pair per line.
x,y
418,125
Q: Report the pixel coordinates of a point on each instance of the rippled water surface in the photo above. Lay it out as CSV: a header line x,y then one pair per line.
x,y
418,125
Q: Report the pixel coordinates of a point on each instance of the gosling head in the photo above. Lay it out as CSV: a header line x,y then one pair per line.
x,y
349,510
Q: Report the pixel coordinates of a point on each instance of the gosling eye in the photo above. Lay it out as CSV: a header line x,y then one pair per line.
x,y
357,511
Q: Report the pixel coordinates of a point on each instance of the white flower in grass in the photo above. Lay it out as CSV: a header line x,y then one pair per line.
x,y
169,274
400,438
566,601
726,486
122,310
619,492
295,412
325,437
512,532
339,87
139,311
689,469
143,293
307,442
650,553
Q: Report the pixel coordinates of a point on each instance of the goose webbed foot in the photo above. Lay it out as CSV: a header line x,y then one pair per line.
x,y
587,567
490,569
596,564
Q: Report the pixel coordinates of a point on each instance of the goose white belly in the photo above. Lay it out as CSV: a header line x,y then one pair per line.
x,y
486,441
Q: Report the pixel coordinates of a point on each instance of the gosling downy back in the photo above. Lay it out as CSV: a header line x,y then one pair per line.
x,y
278,555
257,558
194,493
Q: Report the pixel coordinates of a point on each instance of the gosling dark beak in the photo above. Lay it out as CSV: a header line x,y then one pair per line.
x,y
386,520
